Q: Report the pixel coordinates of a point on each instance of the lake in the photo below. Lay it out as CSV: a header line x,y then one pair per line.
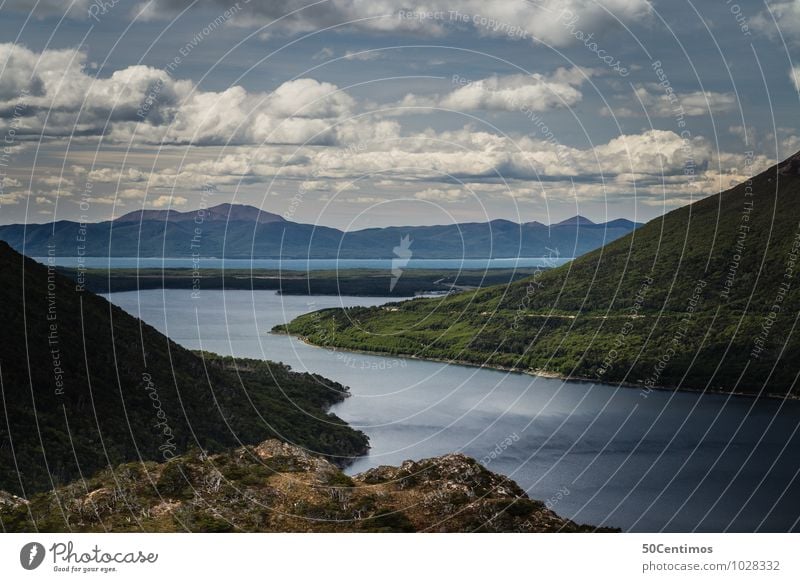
x,y
599,454
298,264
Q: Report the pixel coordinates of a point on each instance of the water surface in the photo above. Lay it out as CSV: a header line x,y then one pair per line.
x,y
600,454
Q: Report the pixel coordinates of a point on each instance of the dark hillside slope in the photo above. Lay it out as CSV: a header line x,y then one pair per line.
x,y
85,385
705,297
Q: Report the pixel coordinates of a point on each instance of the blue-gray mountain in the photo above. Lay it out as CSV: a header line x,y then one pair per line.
x,y
237,231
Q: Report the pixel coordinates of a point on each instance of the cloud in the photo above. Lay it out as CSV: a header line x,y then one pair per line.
x,y
368,55
11,198
657,103
657,168
6,182
513,93
442,195
315,186
322,55
787,15
145,104
168,201
652,165
542,20
794,76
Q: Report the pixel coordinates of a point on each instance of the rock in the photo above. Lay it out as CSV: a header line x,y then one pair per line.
x,y
279,487
9,501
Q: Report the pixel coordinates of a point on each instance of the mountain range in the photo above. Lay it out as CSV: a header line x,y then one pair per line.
x,y
239,231
705,298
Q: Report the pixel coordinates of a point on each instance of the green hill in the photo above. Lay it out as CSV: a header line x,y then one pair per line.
x,y
86,386
705,297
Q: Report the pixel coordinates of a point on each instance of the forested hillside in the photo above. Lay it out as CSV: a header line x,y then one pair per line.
x,y
705,297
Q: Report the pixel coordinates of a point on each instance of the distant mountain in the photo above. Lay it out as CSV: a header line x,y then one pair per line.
x,y
706,297
85,386
576,221
221,212
276,487
237,231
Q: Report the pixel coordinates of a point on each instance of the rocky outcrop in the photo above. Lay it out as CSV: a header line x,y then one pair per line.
x,y
10,502
278,487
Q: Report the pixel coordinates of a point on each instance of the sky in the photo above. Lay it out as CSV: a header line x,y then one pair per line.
x,y
363,113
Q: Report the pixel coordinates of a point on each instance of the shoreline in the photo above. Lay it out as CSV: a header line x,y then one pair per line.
x,y
544,373
328,282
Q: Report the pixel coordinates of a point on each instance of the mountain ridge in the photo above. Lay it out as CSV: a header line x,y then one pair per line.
x,y
240,231
224,211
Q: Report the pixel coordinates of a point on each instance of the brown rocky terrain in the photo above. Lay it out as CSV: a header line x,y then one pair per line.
x,y
277,487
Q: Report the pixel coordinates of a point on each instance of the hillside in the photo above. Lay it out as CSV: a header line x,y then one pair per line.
x,y
85,386
238,231
275,487
705,297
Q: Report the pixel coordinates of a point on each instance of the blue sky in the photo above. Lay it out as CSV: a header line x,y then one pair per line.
x,y
353,114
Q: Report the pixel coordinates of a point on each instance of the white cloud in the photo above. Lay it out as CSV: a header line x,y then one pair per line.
x,y
357,199
515,93
10,198
315,185
367,55
785,13
786,140
145,104
794,76
650,166
264,129
168,201
653,165
6,182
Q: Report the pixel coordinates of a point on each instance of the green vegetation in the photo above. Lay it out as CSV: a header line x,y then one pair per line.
x,y
364,282
86,386
705,297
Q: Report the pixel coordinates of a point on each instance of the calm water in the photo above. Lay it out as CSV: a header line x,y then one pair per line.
x,y
301,264
670,461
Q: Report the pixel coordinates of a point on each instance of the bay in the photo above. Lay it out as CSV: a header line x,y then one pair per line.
x,y
596,453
